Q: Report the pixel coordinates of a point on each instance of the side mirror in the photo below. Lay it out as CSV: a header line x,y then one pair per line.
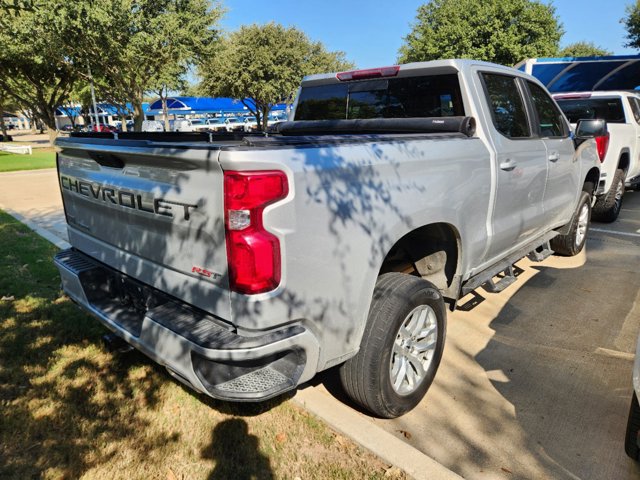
x,y
591,128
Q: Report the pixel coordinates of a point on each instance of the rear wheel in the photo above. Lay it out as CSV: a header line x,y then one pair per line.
x,y
401,346
573,242
633,429
607,207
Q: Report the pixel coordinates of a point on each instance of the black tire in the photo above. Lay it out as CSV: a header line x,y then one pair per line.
x,y
367,377
573,242
633,428
607,207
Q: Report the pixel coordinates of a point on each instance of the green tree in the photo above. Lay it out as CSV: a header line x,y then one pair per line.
x,y
36,71
583,49
262,65
500,31
632,24
148,44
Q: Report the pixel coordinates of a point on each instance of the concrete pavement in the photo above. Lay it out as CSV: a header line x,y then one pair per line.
x,y
535,381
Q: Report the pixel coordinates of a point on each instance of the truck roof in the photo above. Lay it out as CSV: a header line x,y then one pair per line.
x,y
416,68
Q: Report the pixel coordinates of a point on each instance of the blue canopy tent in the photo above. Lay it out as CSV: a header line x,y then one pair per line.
x,y
578,74
203,106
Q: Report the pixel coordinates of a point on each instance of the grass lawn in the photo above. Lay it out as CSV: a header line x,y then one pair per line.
x,y
71,409
41,158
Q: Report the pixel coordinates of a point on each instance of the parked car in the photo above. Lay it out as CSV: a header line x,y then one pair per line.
x,y
104,128
250,124
215,125
67,128
152,126
338,241
234,124
183,125
621,164
632,437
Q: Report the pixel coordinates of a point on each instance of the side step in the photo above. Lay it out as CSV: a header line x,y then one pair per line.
x,y
484,278
496,287
541,253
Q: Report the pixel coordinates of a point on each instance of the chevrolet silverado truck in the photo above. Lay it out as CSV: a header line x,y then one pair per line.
x,y
621,161
245,264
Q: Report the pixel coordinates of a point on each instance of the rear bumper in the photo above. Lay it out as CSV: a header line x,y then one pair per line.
x,y
198,349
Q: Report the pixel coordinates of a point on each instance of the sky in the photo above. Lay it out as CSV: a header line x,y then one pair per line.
x,y
371,32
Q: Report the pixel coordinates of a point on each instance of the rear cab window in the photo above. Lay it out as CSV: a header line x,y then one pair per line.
x,y
405,97
550,120
607,108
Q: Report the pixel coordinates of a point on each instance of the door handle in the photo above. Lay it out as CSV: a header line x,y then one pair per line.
x,y
508,165
554,157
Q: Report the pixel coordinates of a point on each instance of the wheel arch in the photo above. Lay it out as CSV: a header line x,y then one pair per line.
x,y
624,159
432,252
591,180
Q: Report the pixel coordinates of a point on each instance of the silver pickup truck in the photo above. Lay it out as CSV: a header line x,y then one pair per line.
x,y
246,263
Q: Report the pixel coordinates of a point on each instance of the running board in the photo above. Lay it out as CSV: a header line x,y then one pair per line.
x,y
506,267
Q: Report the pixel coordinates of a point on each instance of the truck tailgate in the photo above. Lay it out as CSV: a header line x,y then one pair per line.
x,y
154,212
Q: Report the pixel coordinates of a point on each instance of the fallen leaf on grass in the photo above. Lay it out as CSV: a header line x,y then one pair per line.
x,y
171,475
393,472
340,440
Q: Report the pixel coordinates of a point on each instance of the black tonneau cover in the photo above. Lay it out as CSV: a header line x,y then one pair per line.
x,y
464,125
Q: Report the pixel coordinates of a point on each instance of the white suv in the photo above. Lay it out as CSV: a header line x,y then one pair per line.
x,y
621,162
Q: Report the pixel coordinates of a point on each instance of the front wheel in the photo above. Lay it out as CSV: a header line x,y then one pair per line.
x,y
573,242
401,346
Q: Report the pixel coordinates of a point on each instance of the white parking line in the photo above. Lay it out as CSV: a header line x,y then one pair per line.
x,y
614,232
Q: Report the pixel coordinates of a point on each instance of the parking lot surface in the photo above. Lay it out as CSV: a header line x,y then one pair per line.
x,y
535,381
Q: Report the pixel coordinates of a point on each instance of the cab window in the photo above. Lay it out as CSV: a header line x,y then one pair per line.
x,y
506,105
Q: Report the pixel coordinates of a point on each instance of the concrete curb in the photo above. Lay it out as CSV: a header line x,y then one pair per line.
x,y
378,441
46,234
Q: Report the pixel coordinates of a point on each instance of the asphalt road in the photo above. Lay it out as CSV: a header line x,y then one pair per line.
x,y
535,381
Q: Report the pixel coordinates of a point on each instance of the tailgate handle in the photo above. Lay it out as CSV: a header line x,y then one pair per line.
x,y
107,159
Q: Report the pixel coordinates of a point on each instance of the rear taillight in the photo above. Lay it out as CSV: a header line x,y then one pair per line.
x,y
602,143
253,253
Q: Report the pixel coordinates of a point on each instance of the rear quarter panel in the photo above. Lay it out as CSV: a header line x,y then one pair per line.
x,y
347,206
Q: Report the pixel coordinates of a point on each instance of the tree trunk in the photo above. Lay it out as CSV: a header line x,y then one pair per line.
x,y
165,109
49,123
53,134
3,127
138,115
265,116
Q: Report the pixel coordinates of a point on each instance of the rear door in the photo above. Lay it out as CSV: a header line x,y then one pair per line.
x,y
518,213
560,194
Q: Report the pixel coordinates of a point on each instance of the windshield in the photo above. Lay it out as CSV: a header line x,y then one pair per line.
x,y
426,96
609,109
